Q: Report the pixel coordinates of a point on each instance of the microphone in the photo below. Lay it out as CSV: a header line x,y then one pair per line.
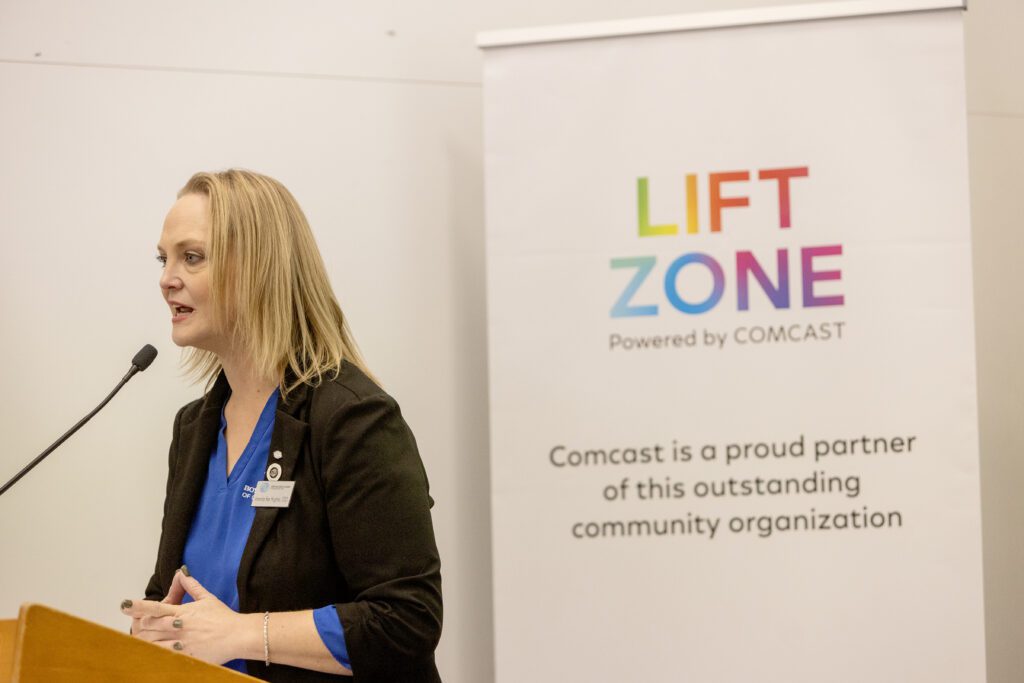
x,y
142,360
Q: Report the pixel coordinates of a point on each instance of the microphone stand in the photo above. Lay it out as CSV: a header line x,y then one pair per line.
x,y
28,468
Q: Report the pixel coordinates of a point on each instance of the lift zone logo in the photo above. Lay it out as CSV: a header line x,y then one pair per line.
x,y
760,275
769,276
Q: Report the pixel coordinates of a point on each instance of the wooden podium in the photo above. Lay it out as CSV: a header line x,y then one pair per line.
x,y
46,646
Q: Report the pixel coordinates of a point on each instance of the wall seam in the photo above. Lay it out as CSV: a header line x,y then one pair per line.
x,y
996,114
245,72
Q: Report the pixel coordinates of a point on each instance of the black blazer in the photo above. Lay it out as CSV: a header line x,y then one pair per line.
x,y
357,533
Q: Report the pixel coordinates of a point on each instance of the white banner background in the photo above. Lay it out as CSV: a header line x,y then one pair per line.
x,y
873,107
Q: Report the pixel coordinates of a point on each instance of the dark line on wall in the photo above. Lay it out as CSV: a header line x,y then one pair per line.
x,y
997,114
245,72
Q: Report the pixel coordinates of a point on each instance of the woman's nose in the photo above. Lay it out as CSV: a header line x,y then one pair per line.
x,y
169,280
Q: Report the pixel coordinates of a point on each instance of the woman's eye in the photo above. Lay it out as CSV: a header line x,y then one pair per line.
x,y
161,259
193,258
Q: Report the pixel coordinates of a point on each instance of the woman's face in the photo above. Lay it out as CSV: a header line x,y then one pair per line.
x,y
185,281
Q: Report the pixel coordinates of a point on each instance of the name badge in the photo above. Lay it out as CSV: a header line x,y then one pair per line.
x,y
273,494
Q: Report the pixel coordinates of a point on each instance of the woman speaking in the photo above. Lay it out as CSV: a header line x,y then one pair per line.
x,y
297,542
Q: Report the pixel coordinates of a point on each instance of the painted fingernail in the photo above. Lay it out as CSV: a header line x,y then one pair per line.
x,y
178,646
184,570
125,604
176,623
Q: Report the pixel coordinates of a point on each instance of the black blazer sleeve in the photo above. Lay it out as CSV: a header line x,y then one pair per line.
x,y
378,509
154,591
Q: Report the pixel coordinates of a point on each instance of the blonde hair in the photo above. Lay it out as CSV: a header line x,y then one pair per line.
x,y
268,285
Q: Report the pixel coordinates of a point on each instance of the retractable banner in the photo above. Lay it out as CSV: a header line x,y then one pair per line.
x,y
733,404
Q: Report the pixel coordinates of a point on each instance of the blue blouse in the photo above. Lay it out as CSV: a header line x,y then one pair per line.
x,y
222,522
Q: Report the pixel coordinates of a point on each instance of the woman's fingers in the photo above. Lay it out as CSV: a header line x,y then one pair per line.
x,y
174,645
201,628
138,609
176,592
158,628
193,587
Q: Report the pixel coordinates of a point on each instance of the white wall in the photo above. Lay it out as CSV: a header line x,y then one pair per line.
x,y
371,114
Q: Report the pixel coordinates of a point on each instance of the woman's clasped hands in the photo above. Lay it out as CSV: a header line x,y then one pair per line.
x,y
205,628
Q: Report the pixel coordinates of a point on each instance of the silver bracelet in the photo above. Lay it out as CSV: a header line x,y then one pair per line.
x,y
266,638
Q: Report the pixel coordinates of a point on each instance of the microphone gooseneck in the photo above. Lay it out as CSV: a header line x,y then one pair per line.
x,y
142,360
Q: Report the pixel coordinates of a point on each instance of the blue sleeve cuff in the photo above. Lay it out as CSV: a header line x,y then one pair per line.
x,y
328,625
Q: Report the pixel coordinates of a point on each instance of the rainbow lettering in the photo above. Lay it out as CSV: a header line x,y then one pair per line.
x,y
772,282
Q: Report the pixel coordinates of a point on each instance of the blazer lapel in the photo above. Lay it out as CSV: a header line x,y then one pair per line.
x,y
287,441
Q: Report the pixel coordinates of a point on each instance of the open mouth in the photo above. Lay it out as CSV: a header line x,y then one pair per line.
x,y
180,313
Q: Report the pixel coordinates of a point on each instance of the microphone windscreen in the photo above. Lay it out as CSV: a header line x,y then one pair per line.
x,y
144,358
